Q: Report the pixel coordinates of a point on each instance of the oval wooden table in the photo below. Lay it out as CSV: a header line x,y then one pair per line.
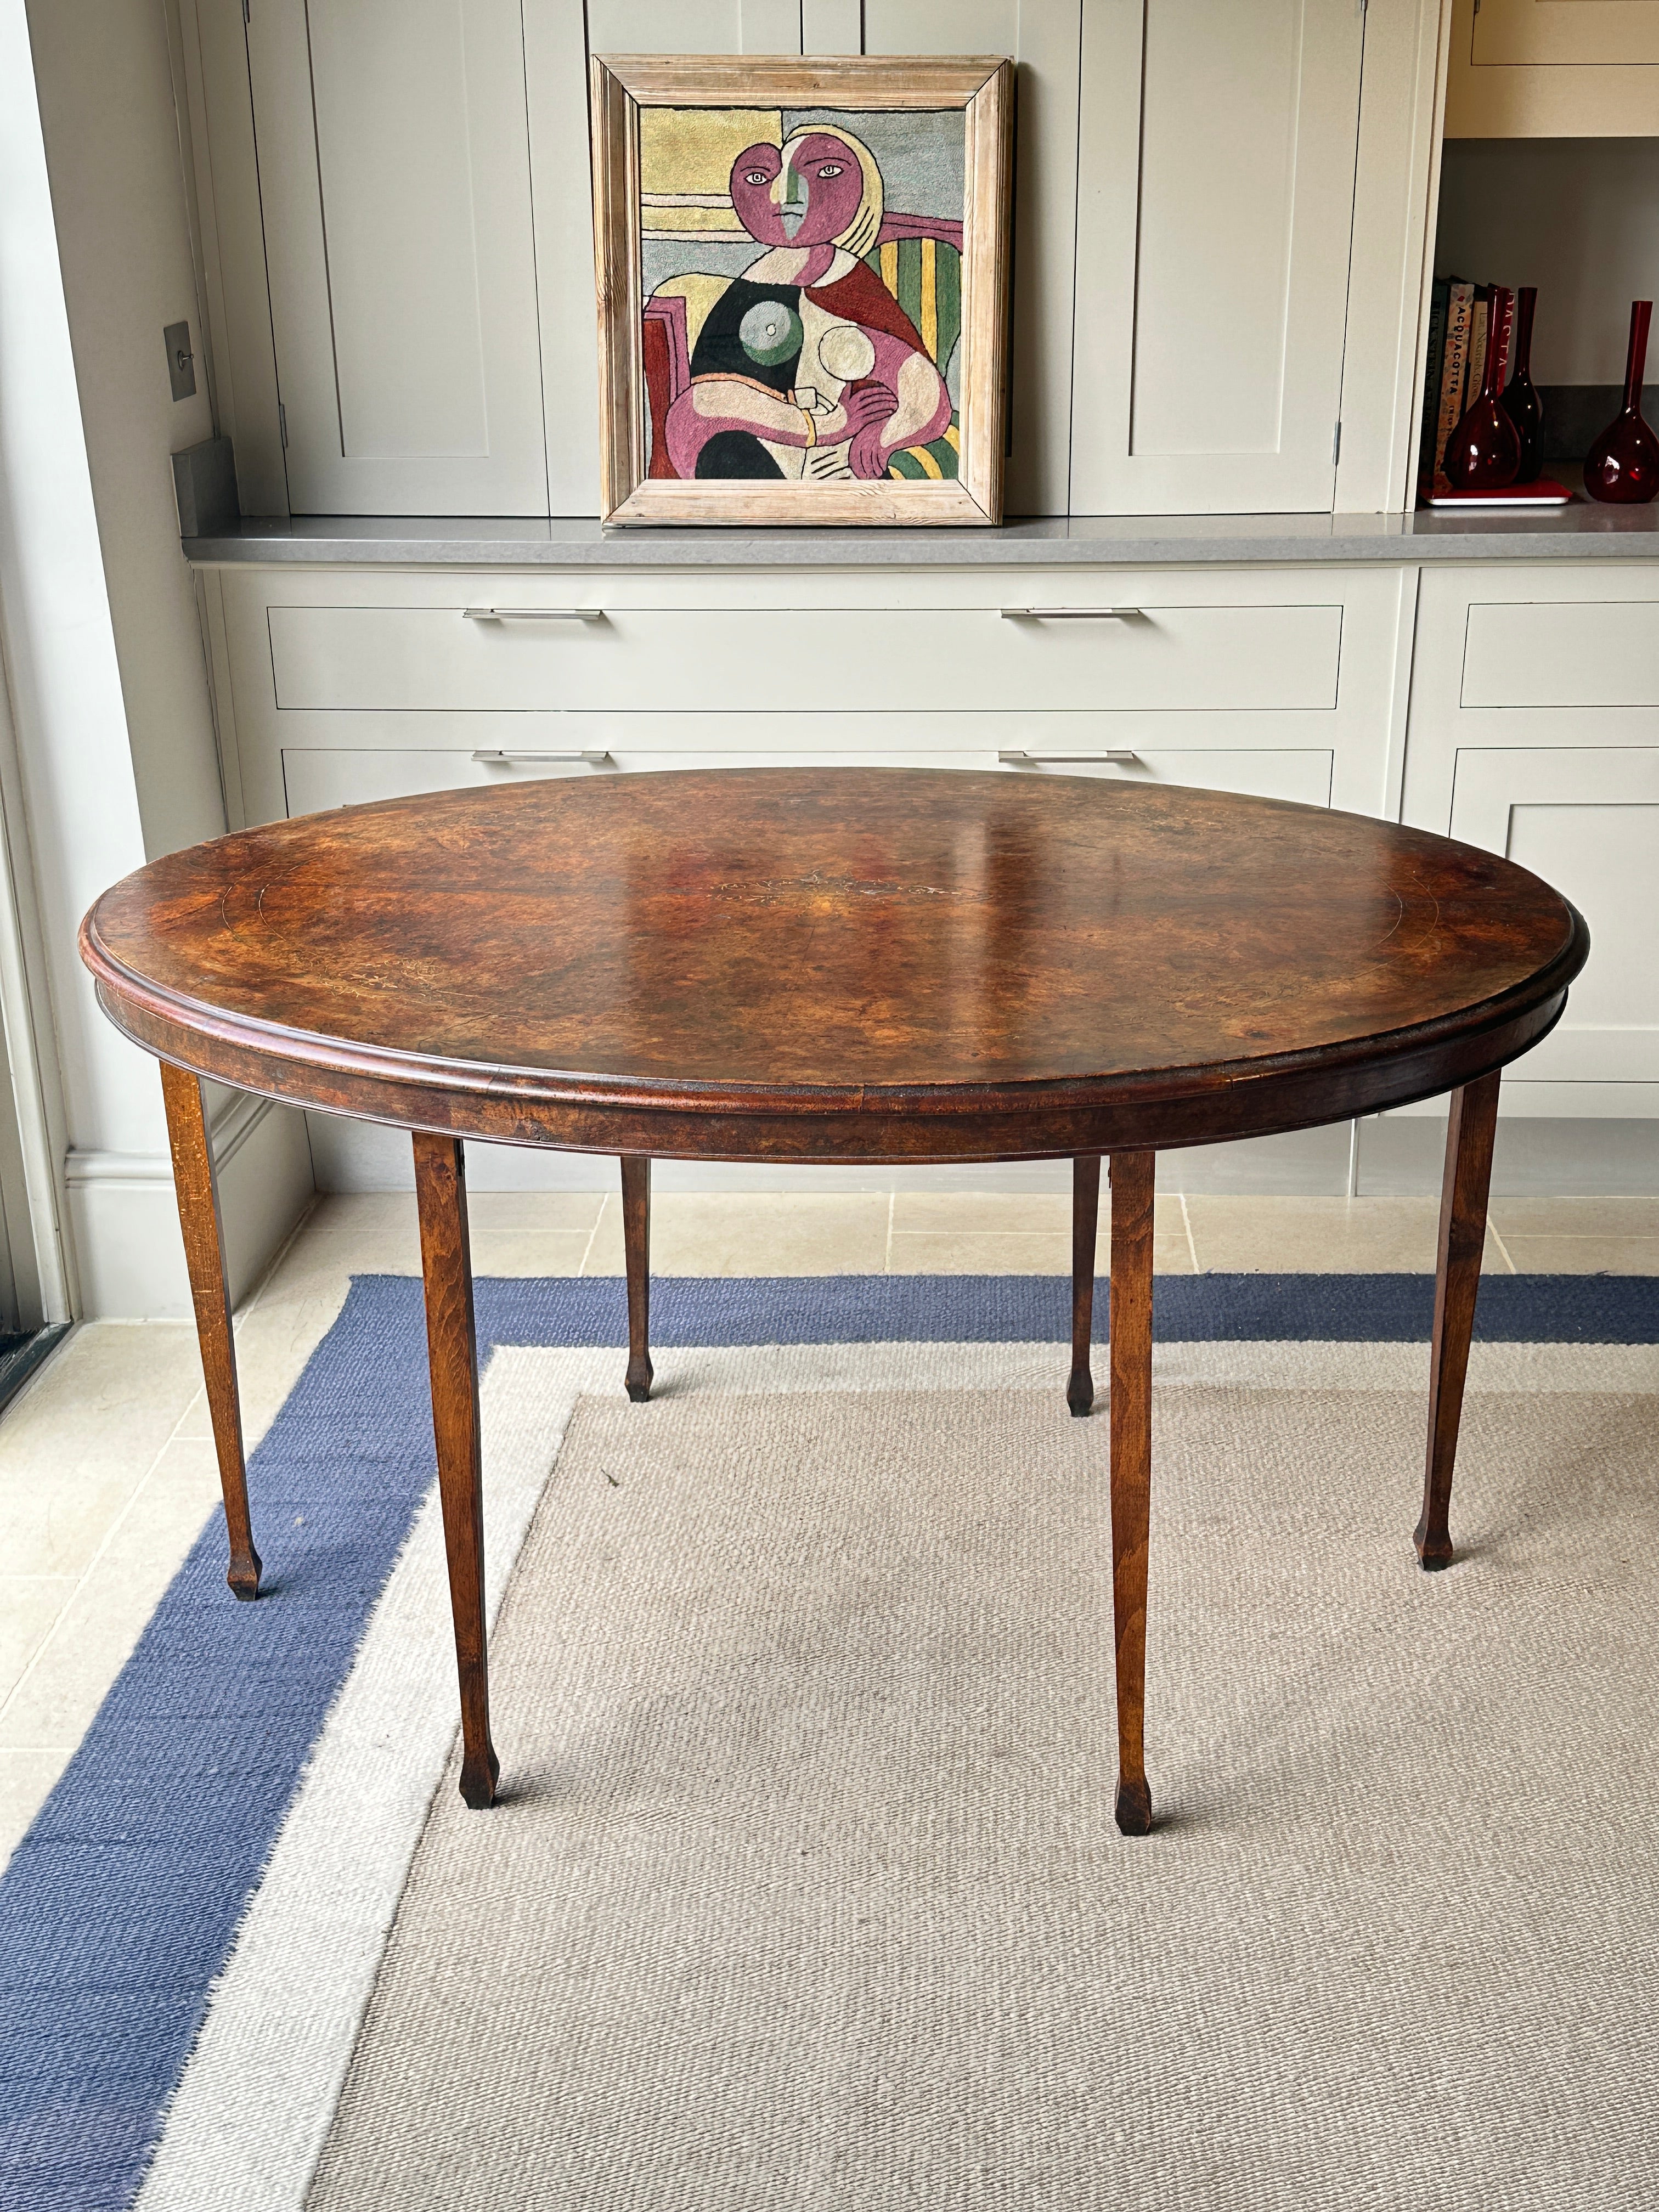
x,y
855,965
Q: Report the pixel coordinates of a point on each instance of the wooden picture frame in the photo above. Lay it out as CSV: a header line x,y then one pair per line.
x,y
669,457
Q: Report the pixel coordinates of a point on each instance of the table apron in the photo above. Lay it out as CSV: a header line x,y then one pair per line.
x,y
928,1130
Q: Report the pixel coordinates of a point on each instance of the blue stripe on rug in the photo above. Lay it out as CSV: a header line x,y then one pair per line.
x,y
1033,1308
120,1906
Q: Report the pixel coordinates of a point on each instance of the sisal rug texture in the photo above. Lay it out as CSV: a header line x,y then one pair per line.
x,y
805,1890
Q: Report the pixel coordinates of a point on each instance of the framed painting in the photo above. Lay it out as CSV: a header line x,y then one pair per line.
x,y
803,288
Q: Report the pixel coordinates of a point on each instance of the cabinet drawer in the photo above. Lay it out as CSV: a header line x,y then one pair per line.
x,y
1581,652
1302,774
795,660
316,777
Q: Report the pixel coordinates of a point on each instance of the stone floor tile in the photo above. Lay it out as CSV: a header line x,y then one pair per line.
x,y
1022,1212
28,1605
273,1344
1009,1252
1584,1255
534,1212
351,1213
26,1777
531,1252
737,1233
1576,1217
325,1260
55,1525
111,1394
72,1670
1320,1236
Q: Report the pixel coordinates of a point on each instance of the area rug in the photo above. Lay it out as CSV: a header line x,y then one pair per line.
x,y
805,1890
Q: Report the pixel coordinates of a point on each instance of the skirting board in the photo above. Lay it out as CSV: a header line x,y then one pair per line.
x,y
355,1156
1398,1154
1534,1157
125,1225
1524,1095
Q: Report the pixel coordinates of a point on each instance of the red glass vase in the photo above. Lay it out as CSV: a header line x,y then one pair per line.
x,y
1483,453
1622,466
1521,401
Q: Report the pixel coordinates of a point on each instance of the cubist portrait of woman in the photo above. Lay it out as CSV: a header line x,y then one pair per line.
x,y
798,325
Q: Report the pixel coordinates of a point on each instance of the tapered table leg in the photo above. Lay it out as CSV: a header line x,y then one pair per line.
x,y
198,1190
1470,1136
452,1349
1085,1220
636,1252
1131,1352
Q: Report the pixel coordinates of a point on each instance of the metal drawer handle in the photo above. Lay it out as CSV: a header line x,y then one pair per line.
x,y
502,759
532,614
1031,759
1072,614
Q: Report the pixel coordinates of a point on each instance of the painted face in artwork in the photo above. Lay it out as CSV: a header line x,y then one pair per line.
x,y
807,201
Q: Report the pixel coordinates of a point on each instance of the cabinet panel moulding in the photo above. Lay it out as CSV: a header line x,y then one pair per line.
x,y
1535,69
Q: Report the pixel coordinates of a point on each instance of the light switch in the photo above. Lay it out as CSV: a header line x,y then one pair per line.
x,y
181,361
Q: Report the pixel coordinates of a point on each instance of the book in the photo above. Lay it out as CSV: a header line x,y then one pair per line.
x,y
1436,354
1459,303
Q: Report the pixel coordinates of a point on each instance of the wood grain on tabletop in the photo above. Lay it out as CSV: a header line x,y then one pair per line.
x,y
835,930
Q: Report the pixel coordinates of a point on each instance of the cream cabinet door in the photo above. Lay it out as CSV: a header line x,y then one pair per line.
x,y
1576,33
1535,732
722,26
1587,820
1215,204
1553,68
1549,656
674,27
395,181
1041,36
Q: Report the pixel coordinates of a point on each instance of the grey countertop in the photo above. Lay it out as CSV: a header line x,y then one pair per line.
x,y
1582,531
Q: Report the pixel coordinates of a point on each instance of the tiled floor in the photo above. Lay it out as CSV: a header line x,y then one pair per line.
x,y
107,1468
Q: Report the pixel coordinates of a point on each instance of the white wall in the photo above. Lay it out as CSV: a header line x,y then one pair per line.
x,y
109,690
106,114
1577,218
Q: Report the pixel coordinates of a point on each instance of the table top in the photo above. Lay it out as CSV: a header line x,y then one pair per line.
x,y
836,963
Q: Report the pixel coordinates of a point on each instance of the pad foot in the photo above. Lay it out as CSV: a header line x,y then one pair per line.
x,y
1133,1809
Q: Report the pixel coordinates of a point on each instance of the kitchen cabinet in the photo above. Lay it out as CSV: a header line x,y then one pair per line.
x,y
1553,68
1586,819
1215,211
397,252
393,146
338,686
608,653
1535,732
423,342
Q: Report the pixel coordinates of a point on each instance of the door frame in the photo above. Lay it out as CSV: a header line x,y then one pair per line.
x,y
35,1129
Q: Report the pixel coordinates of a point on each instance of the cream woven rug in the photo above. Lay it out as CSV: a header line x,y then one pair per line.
x,y
805,1892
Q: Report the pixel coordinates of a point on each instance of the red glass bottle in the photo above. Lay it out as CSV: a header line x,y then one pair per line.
x,y
1622,466
1521,401
1484,451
